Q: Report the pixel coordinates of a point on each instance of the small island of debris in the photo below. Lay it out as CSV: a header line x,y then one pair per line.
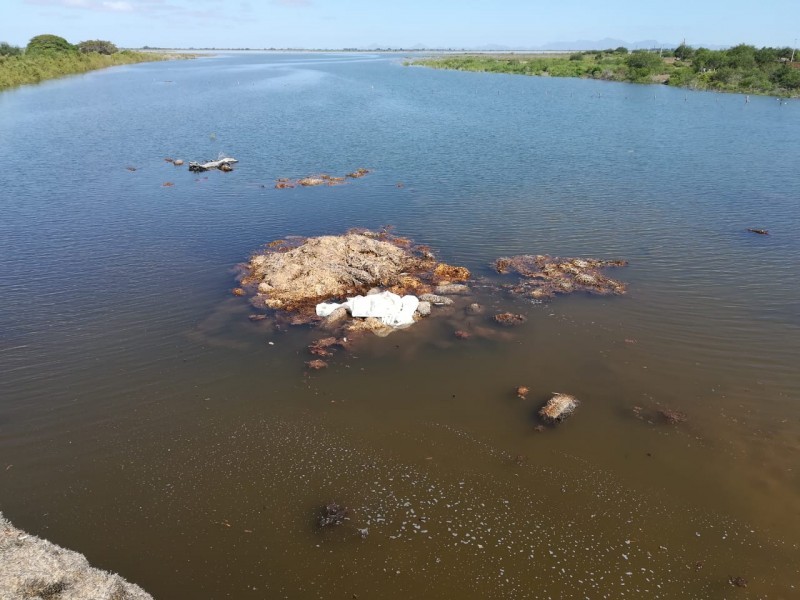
x,y
542,276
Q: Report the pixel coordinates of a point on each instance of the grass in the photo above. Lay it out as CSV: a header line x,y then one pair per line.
x,y
26,69
764,79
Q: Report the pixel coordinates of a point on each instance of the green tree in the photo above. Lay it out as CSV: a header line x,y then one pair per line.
x,y
48,43
684,52
7,49
788,77
99,46
621,50
741,57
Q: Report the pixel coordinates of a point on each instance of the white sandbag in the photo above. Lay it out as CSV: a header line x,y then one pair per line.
x,y
390,308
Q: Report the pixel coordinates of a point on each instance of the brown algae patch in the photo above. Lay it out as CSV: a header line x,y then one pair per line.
x,y
542,276
318,180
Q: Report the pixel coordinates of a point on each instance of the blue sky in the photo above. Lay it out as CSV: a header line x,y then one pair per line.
x,y
399,23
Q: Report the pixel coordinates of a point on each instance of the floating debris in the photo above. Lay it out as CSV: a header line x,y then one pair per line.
x,y
462,335
238,292
323,347
332,514
223,164
167,184
673,417
169,160
543,276
131,169
522,392
283,184
758,231
317,364
558,408
317,180
738,581
509,319
178,163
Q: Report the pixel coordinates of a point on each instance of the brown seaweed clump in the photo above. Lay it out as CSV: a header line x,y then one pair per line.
x,y
522,392
297,274
445,272
543,276
318,180
510,319
558,408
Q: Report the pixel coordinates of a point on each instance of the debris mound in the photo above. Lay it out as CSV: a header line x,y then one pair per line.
x,y
298,274
558,408
542,276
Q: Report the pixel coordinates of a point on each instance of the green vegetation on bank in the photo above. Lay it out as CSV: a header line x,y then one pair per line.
x,y
49,56
742,69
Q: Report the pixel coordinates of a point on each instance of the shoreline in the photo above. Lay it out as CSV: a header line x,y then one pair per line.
x,y
16,71
598,66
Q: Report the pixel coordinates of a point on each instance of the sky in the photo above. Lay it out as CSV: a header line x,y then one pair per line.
x,y
399,23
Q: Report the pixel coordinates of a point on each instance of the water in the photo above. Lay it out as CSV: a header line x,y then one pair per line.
x,y
145,422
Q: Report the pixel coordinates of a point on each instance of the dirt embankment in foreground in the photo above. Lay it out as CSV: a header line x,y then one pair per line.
x,y
34,569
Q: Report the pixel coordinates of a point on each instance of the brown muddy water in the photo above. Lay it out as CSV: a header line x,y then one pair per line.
x,y
147,423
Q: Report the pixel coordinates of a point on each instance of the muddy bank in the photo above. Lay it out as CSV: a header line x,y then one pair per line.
x,y
31,567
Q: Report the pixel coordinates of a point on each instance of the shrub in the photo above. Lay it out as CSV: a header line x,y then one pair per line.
x,y
99,46
48,43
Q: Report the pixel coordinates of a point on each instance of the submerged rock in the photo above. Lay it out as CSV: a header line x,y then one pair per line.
x,y
436,300
558,408
451,289
424,309
31,567
474,309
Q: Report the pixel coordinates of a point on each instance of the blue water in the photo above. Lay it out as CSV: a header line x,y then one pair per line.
x,y
118,335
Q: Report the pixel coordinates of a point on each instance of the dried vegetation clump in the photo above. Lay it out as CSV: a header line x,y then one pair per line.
x,y
31,567
542,276
558,408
